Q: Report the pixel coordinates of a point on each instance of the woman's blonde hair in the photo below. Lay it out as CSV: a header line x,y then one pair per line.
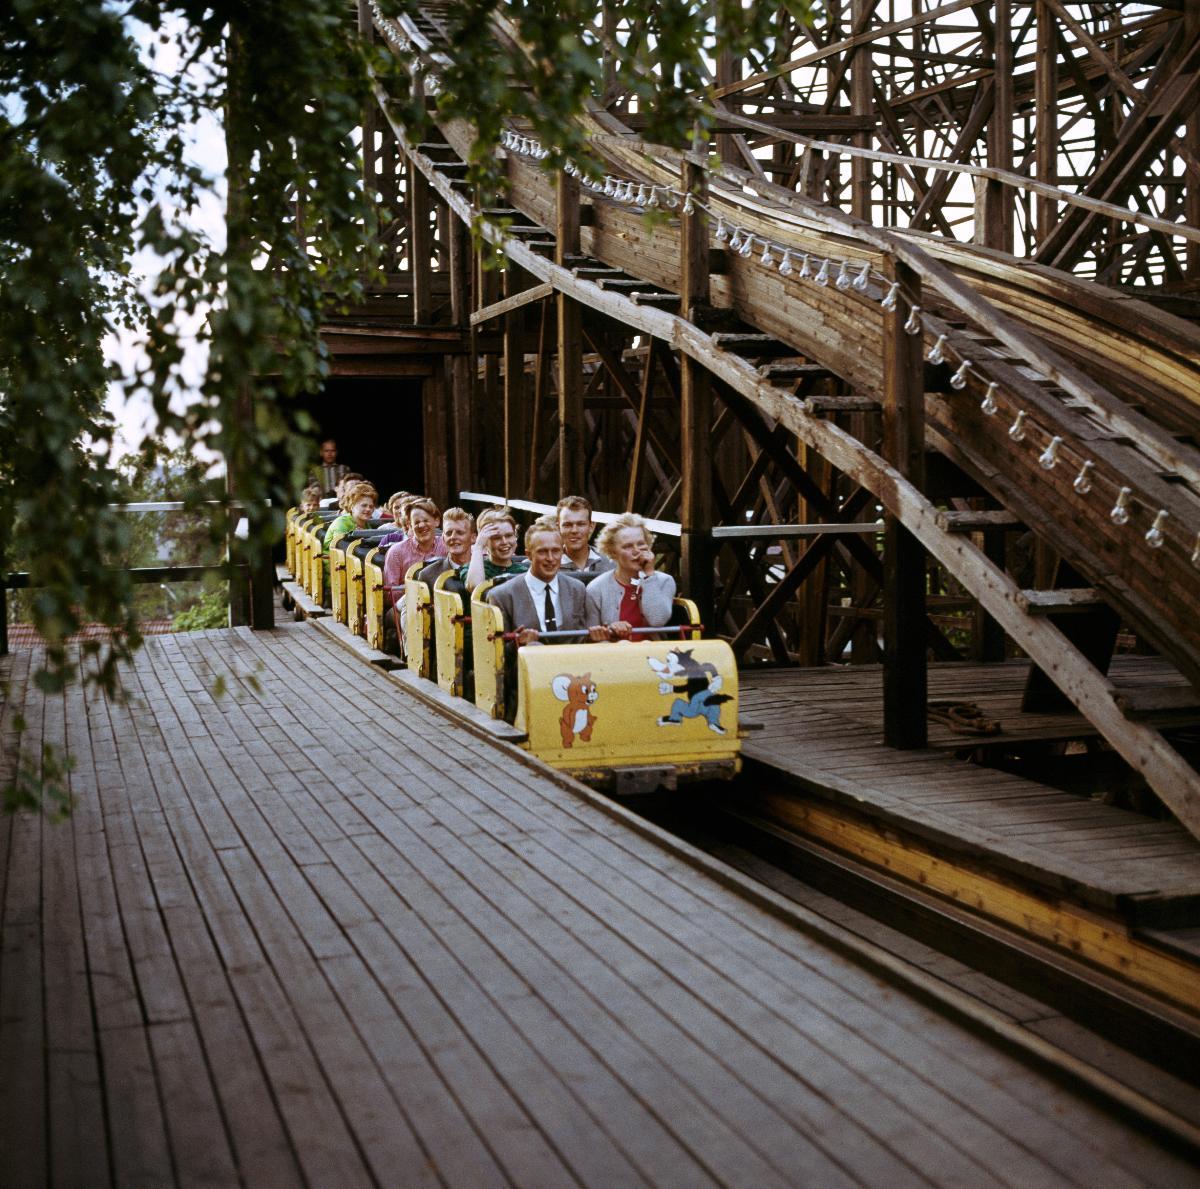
x,y
355,492
496,513
606,541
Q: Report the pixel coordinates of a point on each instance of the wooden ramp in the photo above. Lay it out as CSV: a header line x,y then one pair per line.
x,y
824,727
310,932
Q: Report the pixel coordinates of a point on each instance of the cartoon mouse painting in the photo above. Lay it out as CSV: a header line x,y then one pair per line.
x,y
698,685
577,718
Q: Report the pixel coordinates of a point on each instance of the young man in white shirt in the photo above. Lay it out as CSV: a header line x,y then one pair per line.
x,y
580,559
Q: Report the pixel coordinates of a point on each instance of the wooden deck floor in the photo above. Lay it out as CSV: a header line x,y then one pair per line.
x,y
824,727
310,933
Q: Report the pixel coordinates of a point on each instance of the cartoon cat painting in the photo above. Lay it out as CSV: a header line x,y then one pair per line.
x,y
577,718
698,685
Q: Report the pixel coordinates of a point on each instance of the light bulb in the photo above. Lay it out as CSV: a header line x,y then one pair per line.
x,y
913,325
889,301
766,257
1049,457
822,277
1083,481
689,205
785,265
722,232
805,271
747,246
936,354
843,276
1154,534
1120,511
862,280
988,405
959,379
1016,431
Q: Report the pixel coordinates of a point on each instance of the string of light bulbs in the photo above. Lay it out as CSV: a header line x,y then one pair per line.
x,y
859,277
856,276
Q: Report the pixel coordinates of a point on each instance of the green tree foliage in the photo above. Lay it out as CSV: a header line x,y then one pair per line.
x,y
94,171
95,176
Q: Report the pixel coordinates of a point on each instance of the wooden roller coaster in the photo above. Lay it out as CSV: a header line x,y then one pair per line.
x,y
944,272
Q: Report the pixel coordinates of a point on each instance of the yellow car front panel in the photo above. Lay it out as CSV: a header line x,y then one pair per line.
x,y
293,516
587,708
418,623
487,627
336,549
375,610
356,586
448,630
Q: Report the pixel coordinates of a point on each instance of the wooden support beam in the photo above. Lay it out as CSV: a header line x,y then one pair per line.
x,y
1191,138
905,681
998,205
570,345
508,304
516,411
696,506
643,428
461,368
1045,107
693,242
860,64
420,243
433,409
696,402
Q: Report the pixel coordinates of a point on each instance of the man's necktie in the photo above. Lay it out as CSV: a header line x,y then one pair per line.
x,y
548,612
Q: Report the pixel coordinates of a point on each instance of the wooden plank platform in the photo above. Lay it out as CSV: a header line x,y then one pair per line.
x,y
823,727
308,931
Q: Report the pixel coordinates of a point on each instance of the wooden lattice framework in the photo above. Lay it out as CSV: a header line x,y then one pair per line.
x,y
980,156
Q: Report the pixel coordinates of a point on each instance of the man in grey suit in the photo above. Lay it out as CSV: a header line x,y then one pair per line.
x,y
541,599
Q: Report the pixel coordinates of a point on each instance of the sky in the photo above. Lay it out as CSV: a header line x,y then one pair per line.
x,y
207,150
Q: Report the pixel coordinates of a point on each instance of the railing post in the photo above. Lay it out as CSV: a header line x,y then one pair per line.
x,y
3,619
696,547
262,588
905,681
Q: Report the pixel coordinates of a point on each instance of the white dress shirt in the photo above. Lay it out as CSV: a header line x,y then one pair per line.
x,y
537,591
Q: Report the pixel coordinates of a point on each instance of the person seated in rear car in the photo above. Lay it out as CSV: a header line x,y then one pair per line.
x,y
580,559
542,599
391,511
358,504
347,480
310,500
328,473
458,535
495,549
634,594
421,544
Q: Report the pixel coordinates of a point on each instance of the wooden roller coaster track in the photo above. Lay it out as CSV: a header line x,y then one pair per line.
x,y
1073,405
